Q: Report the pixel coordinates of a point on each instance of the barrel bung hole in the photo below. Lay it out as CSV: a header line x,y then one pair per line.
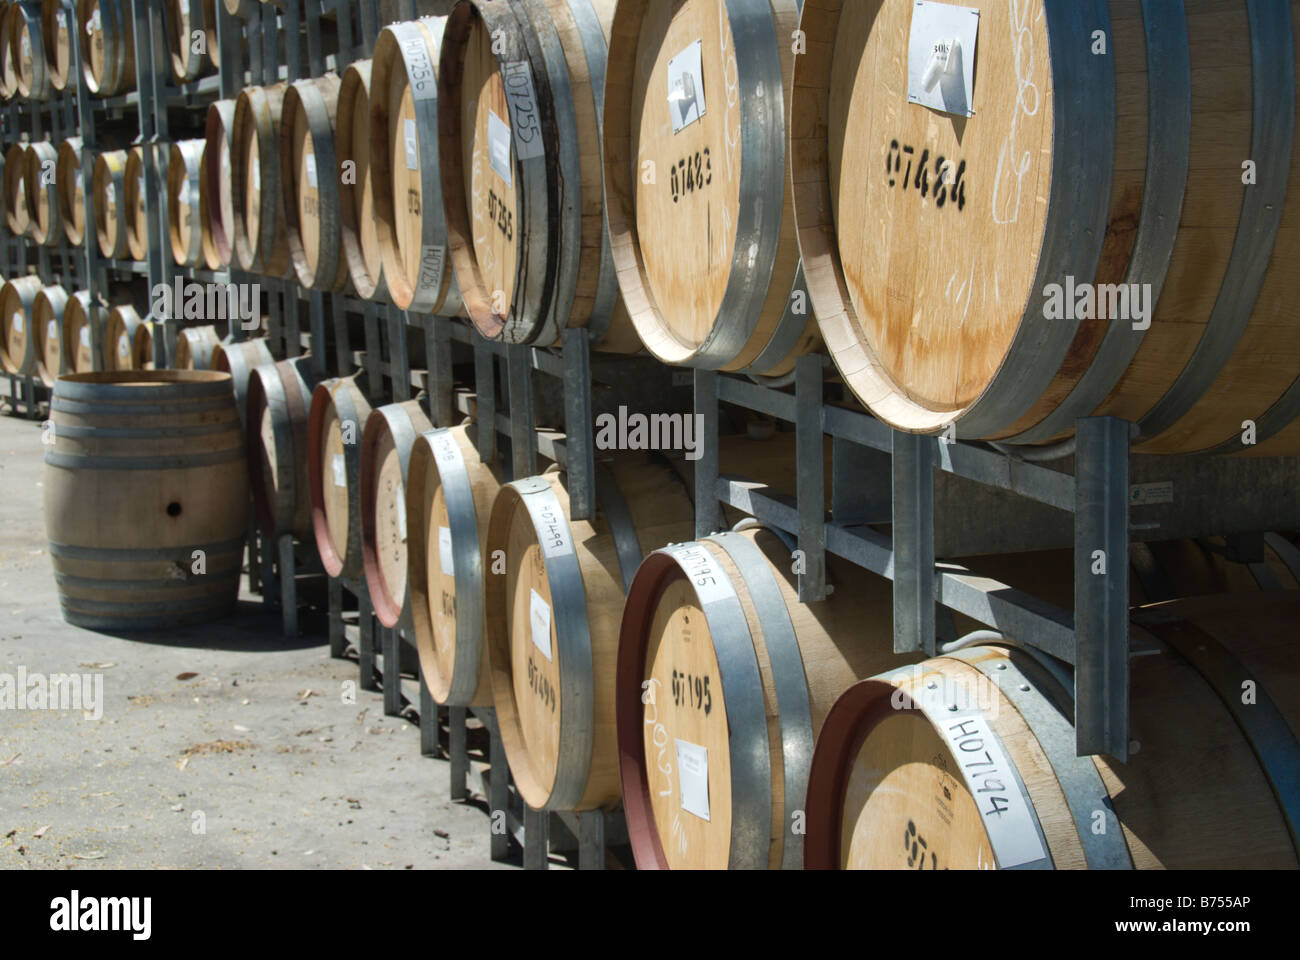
x,y
174,509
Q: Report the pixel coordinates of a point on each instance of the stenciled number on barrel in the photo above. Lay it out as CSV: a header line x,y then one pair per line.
x,y
691,173
949,183
692,691
916,848
500,214
540,684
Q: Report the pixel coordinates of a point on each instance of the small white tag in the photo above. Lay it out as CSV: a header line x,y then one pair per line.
x,y
52,332
444,552
310,162
401,512
539,619
62,17
185,9
707,577
85,337
340,470
412,145
554,532
499,147
445,453
686,87
18,323
27,46
693,763
139,189
525,124
941,57
93,24
1141,494
79,178
124,346
257,176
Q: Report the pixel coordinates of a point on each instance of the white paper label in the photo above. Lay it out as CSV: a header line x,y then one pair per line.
x,y
79,178
185,9
445,558
524,122
52,332
340,470
27,47
702,569
989,775
499,147
93,24
539,619
401,512
693,765
1142,494
686,87
257,176
124,346
110,205
553,531
61,16
941,57
18,322
139,190
412,145
310,162
85,337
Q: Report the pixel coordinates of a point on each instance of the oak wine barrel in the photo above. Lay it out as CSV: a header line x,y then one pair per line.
x,y
553,620
900,779
522,88
449,496
78,332
310,174
185,20
27,49
42,191
135,197
339,411
57,29
184,196
195,347
360,235
211,256
47,328
142,348
106,31
120,336
725,291
277,405
8,77
390,433
17,217
261,243
109,197
146,498
724,679
240,358
18,352
70,176
404,164
219,178
1127,265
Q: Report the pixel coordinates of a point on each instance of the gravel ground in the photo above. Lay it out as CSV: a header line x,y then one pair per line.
x,y
219,746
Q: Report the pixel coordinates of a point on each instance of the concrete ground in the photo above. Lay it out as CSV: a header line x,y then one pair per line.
x,y
220,746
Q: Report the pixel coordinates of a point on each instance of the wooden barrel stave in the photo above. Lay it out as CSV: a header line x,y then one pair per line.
x,y
449,497
142,356
18,340
358,228
17,217
71,178
195,347
106,32
120,336
163,449
239,359
278,402
57,29
184,198
109,194
185,18
27,49
339,412
135,200
43,207
219,159
261,241
47,326
78,332
309,172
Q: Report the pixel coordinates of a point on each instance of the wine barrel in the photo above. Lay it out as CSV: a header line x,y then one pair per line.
x,y
78,332
27,49
523,87
356,192
109,198
42,193
17,217
239,359
310,174
339,411
404,163
47,328
715,646
57,32
211,256
891,744
552,621
261,243
18,353
219,161
185,18
135,196
449,496
1176,280
142,349
146,498
195,347
717,292
390,433
8,78
119,337
71,179
184,196
278,401
106,29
